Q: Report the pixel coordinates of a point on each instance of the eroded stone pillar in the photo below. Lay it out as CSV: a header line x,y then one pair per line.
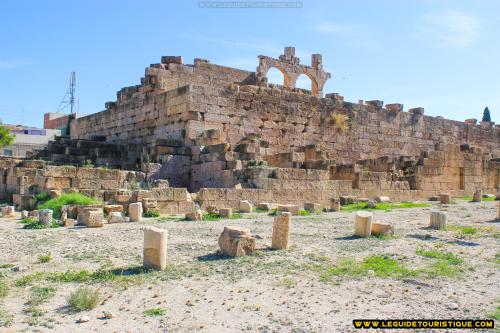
x,y
363,224
135,211
445,198
281,231
45,217
478,196
155,248
438,220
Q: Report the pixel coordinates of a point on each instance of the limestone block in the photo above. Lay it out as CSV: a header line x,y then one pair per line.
x,y
116,217
236,242
195,216
245,206
335,205
264,206
212,209
45,217
8,211
225,212
112,208
438,220
33,214
55,193
294,209
347,199
445,198
94,218
363,224
379,228
478,196
312,207
69,222
155,248
24,214
81,210
281,231
382,199
135,211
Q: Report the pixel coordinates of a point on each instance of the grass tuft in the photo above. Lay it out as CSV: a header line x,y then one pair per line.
x,y
41,294
303,212
56,204
383,206
154,312
446,264
84,299
43,258
152,213
30,223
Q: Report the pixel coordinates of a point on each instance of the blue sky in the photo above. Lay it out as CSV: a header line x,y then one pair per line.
x,y
442,55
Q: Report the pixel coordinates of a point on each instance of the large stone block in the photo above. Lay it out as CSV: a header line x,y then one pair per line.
x,y
81,210
8,211
379,228
116,217
225,212
294,209
445,198
245,206
312,207
438,220
45,217
197,215
478,196
113,208
281,231
135,211
155,248
363,224
236,242
93,218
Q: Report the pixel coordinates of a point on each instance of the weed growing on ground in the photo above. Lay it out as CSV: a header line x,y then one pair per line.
x,y
30,223
446,264
383,206
152,213
462,231
154,312
40,295
84,299
4,289
43,258
56,204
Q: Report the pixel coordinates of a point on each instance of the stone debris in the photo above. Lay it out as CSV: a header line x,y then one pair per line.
x,y
379,228
116,217
438,220
236,242
94,218
335,204
112,208
363,224
8,211
382,199
478,196
155,248
245,206
45,217
294,209
445,198
24,214
197,215
281,231
225,212
312,207
265,206
135,211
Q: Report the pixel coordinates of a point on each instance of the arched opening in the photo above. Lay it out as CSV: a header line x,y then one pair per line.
x,y
303,82
275,76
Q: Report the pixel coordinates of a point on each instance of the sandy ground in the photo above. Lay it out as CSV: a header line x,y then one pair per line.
x,y
271,291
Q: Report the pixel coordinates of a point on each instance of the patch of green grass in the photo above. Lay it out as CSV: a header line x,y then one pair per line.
x,y
446,264
4,289
216,216
462,231
440,255
43,258
30,223
84,299
274,212
469,198
381,266
497,258
260,210
383,206
41,294
154,312
303,212
40,199
495,314
236,216
28,279
6,319
151,213
68,199
170,218
6,266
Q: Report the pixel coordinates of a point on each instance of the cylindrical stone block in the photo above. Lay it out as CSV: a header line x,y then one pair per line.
x,y
445,198
363,224
438,220
8,211
155,248
135,211
281,231
45,216
478,196
225,212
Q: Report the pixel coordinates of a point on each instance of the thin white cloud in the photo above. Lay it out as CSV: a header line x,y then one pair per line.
x,y
451,28
8,64
339,29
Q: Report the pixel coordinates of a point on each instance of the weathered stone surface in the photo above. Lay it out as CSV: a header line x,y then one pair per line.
x,y
55,193
8,211
281,231
155,248
116,217
45,217
212,209
363,224
69,222
478,196
236,242
245,206
197,215
347,200
94,218
294,209
81,212
379,228
135,211
438,220
382,199
225,212
24,214
445,198
312,207
264,206
112,208
335,205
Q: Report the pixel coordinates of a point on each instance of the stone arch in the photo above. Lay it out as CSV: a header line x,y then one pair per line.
x,y
291,68
313,85
286,77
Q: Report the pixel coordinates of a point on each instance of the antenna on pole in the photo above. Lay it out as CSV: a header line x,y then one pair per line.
x,y
69,97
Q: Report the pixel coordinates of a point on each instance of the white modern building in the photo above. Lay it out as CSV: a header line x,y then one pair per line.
x,y
28,139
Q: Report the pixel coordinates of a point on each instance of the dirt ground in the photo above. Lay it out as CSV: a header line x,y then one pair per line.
x,y
297,290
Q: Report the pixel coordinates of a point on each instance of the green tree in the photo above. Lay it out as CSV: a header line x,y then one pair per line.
x,y
6,137
486,114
